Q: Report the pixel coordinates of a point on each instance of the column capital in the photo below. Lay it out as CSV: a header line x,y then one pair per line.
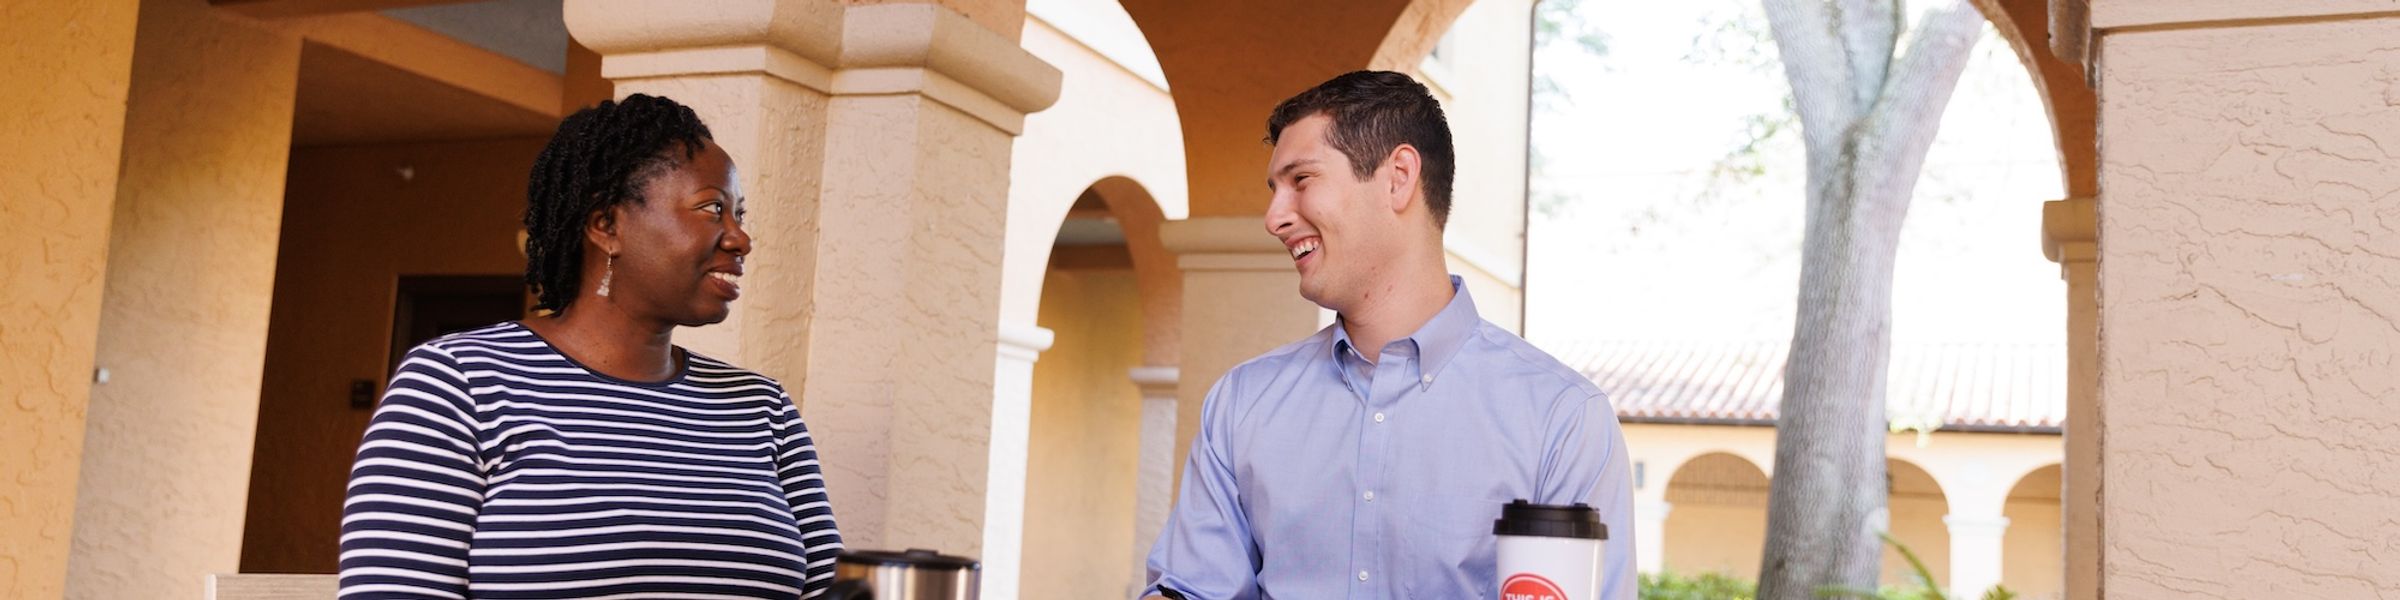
x,y
833,47
1156,381
1223,244
2070,230
1963,525
1025,342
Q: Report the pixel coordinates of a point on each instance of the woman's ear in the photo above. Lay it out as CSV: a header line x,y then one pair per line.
x,y
601,230
1406,167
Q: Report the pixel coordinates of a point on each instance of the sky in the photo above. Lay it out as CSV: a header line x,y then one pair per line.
x,y
1641,243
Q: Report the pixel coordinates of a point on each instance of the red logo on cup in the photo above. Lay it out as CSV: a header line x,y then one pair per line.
x,y
1528,586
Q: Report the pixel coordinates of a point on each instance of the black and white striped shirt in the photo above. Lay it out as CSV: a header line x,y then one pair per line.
x,y
497,467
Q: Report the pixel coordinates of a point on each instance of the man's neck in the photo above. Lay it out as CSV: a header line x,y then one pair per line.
x,y
1396,307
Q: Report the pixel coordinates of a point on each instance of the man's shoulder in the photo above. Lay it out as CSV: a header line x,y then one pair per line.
x,y
1282,359
1501,353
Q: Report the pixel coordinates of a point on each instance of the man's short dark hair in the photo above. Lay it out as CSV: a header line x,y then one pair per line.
x,y
1374,112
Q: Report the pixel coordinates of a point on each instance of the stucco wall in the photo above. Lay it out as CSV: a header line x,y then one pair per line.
x,y
352,226
71,63
1079,482
2247,246
183,325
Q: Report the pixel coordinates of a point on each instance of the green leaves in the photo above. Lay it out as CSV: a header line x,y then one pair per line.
x,y
1718,586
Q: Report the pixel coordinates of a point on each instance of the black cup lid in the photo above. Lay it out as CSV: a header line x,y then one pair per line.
x,y
1544,520
913,557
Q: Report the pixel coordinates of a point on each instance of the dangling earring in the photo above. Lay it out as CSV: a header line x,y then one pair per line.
x,y
607,275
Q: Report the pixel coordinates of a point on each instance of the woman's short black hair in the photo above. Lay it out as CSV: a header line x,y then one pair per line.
x,y
1374,112
601,157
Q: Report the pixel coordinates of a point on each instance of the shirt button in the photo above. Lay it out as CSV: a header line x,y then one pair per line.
x,y
1370,496
1362,575
1379,417
1428,378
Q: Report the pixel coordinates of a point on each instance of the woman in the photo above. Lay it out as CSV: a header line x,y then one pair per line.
x,y
580,454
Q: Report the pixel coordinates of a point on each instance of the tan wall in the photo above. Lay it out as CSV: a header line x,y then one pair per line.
x,y
72,64
1087,415
2035,567
1917,506
1484,78
1718,523
1108,122
183,326
352,226
1726,535
2247,237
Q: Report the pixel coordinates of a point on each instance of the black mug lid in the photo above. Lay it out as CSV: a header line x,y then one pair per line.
x,y
1522,518
914,557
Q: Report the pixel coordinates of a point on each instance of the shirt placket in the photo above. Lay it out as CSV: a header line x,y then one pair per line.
x,y
1371,573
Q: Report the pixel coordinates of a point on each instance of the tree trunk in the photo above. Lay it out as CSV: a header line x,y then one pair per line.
x,y
1868,119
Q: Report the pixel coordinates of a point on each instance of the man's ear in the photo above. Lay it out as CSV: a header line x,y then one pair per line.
x,y
600,228
1406,167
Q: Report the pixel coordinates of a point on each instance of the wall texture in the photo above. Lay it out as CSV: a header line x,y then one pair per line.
x,y
1087,417
352,226
73,63
183,325
2249,237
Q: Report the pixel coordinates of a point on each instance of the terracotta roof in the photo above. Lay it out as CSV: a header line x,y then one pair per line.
x,y
1962,386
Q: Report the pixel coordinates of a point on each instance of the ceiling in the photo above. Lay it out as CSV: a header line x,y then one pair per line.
x,y
345,98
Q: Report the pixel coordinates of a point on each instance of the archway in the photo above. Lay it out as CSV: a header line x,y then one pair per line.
x,y
1108,297
2033,550
1719,518
1917,506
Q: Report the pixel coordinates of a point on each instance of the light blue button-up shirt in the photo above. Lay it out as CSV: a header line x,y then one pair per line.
x,y
1317,474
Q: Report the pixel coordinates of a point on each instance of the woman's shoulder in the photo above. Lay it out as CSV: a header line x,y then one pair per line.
x,y
702,368
503,336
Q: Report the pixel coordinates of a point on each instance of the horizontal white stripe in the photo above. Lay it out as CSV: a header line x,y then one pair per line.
x,y
380,588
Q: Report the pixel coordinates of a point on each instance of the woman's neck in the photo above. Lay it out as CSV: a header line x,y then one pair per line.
x,y
606,339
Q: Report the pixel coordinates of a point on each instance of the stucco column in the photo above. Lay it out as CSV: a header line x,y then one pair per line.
x,y
1650,533
1154,475
1975,547
2248,316
183,327
873,142
2069,238
1241,298
1021,344
73,61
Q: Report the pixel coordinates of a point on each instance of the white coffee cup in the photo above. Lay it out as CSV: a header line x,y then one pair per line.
x,y
1549,552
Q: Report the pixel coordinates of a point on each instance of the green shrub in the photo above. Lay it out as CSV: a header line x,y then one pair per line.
x,y
1719,586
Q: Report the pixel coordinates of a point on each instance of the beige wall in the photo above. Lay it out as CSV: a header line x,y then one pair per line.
x,y
352,226
1483,76
1079,483
1917,506
72,64
1723,529
1719,520
1108,122
184,319
2035,569
2247,242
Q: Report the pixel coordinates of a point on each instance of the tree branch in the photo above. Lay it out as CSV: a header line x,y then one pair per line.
x,y
1813,65
1909,112
1870,30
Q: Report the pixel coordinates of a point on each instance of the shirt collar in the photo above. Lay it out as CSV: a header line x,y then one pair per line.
x,y
1435,342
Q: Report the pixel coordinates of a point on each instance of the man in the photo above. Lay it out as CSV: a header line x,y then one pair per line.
x,y
1370,460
